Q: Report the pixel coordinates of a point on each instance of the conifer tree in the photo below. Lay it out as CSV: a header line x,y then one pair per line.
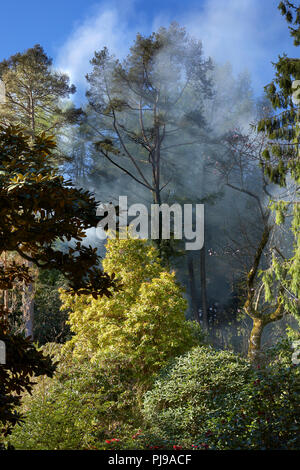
x,y
281,162
33,100
34,93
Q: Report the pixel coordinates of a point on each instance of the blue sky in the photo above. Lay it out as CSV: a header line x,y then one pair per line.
x,y
248,33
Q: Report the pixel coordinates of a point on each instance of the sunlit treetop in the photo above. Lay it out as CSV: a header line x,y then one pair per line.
x,y
281,157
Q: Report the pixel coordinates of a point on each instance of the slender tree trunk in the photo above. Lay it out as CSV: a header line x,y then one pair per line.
x,y
5,292
254,348
203,288
28,291
28,308
190,263
157,200
252,307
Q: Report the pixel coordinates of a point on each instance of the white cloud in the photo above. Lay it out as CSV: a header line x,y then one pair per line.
x,y
250,34
107,25
247,33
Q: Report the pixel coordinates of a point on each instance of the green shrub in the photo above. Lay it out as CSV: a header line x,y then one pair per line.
x,y
80,408
49,319
216,400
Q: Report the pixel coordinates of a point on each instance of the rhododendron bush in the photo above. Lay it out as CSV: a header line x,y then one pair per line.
x,y
211,399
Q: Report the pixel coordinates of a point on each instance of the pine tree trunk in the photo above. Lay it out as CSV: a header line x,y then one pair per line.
x,y
5,292
203,288
28,291
157,200
28,307
193,292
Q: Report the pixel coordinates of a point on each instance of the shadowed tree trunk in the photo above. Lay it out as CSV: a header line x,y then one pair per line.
x,y
28,307
28,290
203,288
193,292
5,292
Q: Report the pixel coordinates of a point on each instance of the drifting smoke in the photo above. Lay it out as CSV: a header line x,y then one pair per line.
x,y
190,158
188,171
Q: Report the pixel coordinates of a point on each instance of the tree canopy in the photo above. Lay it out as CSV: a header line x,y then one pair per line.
x,y
35,93
150,104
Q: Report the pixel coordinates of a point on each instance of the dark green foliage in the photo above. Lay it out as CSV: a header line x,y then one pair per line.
x,y
23,362
37,206
191,389
49,320
282,157
216,400
292,14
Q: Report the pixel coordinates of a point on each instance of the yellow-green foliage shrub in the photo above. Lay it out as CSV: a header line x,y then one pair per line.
x,y
142,324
